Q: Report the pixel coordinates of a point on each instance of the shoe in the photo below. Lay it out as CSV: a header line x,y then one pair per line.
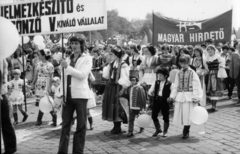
x,y
130,134
157,132
165,135
25,118
60,123
10,152
185,136
54,124
38,123
229,97
15,123
141,130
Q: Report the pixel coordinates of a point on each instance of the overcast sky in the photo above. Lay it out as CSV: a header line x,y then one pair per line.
x,y
178,9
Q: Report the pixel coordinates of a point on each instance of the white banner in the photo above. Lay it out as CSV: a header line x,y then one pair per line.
x,y
56,16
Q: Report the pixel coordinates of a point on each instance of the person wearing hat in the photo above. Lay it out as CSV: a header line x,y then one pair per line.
x,y
42,80
136,96
186,93
209,42
117,80
161,90
17,98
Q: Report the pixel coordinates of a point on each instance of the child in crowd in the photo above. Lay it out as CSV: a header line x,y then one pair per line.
x,y
57,99
187,93
137,101
161,90
16,97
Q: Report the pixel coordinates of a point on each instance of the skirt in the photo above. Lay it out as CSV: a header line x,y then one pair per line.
x,y
215,86
16,98
41,86
111,107
182,112
148,78
92,101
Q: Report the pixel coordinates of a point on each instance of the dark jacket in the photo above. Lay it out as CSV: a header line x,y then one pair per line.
x,y
165,93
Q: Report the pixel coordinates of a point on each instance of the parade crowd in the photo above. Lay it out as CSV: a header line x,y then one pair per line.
x,y
130,80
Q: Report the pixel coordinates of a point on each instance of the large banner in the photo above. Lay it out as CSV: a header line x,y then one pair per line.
x,y
56,16
185,32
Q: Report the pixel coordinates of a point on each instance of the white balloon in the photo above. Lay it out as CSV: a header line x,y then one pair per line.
x,y
41,46
46,104
144,120
199,115
9,38
25,40
65,41
38,39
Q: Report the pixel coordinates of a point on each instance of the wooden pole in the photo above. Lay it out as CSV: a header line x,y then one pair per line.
x,y
63,78
153,27
24,80
1,107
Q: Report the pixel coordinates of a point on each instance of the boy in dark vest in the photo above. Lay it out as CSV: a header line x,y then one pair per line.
x,y
161,90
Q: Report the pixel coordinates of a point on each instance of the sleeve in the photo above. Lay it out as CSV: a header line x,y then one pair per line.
x,y
175,86
221,72
50,68
83,72
142,98
197,89
106,72
151,90
124,76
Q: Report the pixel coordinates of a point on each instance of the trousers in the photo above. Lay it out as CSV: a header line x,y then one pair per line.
x,y
8,132
132,116
72,105
160,105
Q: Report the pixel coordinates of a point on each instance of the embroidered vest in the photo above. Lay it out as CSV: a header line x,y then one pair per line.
x,y
185,81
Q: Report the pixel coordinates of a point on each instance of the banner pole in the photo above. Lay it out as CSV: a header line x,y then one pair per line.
x,y
63,78
1,81
153,27
24,80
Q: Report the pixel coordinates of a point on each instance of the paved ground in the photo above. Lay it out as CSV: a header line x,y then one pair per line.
x,y
222,136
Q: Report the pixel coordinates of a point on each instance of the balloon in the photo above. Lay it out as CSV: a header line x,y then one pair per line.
x,y
144,120
199,115
38,39
9,38
41,46
46,104
65,41
25,40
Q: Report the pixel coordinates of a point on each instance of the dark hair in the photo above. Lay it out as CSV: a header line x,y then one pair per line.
x,y
163,71
165,47
133,77
80,40
232,49
203,45
225,47
190,47
199,49
152,50
118,51
138,47
185,59
15,53
134,49
185,51
43,54
96,51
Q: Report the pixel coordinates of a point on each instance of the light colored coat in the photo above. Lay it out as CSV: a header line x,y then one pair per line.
x,y
184,100
79,80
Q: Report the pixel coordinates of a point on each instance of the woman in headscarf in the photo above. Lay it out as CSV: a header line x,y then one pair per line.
x,y
216,67
201,69
118,79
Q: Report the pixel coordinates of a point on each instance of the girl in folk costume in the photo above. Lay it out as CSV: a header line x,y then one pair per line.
x,y
118,79
166,60
17,61
186,92
43,79
17,98
136,58
229,82
92,101
97,67
201,69
148,66
216,67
